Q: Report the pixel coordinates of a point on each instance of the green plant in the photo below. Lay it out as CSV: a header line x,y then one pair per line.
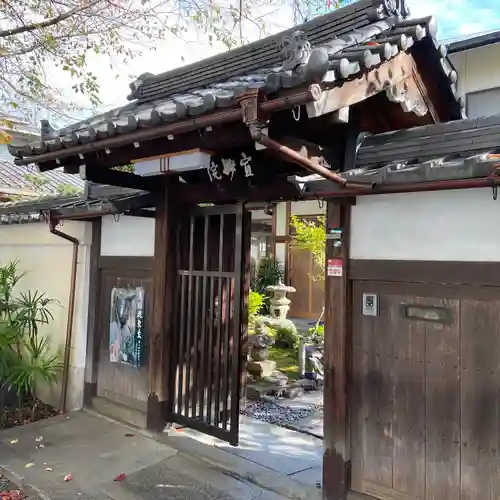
x,y
25,356
310,235
285,337
255,304
270,272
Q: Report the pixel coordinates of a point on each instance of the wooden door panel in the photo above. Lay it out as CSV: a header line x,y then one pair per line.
x,y
480,323
444,384
409,400
309,298
116,381
442,404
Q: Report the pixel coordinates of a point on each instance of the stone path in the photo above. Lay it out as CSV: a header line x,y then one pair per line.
x,y
108,461
282,450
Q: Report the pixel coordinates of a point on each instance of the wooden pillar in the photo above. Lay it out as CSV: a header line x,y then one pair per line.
x,y
90,386
336,459
160,324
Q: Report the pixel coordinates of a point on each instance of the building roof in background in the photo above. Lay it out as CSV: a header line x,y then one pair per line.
x,y
330,49
473,41
94,201
27,181
460,150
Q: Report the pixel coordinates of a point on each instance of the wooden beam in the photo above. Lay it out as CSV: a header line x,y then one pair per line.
x,y
121,179
91,358
279,189
315,152
337,352
420,85
408,95
360,89
160,322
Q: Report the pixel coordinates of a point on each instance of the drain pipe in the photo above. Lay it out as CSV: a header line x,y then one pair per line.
x,y
294,157
71,310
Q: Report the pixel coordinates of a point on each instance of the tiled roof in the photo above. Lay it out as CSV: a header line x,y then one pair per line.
x,y
17,176
330,49
95,201
464,149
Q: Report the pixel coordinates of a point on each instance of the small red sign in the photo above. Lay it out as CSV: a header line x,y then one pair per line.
x,y
335,267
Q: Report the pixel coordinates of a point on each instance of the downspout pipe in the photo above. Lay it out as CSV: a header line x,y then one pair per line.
x,y
294,157
71,310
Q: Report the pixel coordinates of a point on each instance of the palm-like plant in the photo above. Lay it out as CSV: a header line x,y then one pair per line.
x,y
25,356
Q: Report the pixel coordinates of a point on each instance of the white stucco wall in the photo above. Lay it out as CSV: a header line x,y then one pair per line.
x,y
46,259
476,71
454,225
127,236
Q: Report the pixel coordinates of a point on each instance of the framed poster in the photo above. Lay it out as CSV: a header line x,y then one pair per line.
x,y
126,326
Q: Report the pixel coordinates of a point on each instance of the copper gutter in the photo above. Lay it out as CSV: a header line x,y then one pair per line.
x,y
71,311
311,93
294,157
413,187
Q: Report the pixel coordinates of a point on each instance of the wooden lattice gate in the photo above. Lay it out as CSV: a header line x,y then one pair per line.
x,y
207,355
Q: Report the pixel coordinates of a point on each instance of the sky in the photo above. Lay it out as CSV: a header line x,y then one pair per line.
x,y
456,18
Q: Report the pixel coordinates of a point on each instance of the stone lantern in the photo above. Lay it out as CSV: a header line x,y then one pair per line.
x,y
280,303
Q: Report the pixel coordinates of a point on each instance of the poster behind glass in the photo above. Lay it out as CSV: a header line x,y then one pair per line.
x,y
126,331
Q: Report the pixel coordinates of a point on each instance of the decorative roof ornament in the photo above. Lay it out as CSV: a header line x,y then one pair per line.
x,y
396,8
141,79
295,50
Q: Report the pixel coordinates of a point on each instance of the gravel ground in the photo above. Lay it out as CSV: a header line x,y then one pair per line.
x,y
278,414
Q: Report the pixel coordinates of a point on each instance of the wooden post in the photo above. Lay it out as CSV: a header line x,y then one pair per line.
x,y
90,386
336,458
160,324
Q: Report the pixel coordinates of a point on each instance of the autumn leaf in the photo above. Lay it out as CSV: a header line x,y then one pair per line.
x,y
5,138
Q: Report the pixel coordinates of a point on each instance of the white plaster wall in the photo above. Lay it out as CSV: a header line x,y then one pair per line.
x,y
127,236
46,259
454,225
476,71
309,207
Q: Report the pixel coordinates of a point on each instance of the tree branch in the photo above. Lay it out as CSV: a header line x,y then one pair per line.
x,y
49,22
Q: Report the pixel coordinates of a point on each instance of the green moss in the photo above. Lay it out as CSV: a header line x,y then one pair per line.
x,y
287,361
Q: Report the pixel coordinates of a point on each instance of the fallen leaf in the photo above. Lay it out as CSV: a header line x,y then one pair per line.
x,y
49,469
29,465
14,441
120,477
68,477
39,439
129,435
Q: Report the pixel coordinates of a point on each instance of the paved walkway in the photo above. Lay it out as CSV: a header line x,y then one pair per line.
x,y
296,455
95,451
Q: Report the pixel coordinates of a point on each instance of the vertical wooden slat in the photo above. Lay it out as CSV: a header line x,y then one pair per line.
x,y
378,397
189,330
182,337
226,349
480,329
240,319
205,352
211,363
196,348
337,362
91,359
360,353
218,335
161,324
409,401
442,456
